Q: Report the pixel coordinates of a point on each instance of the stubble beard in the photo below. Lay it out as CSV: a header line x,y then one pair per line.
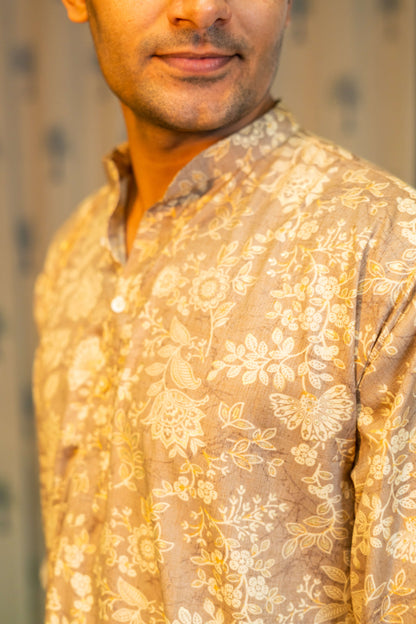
x,y
200,113
201,117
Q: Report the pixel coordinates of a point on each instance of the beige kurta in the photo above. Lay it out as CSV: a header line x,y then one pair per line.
x,y
227,424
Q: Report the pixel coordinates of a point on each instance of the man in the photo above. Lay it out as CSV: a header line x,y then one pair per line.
x,y
225,381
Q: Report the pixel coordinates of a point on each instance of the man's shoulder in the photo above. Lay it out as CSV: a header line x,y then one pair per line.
x,y
345,166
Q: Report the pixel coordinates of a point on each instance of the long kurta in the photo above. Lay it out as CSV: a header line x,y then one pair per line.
x,y
226,418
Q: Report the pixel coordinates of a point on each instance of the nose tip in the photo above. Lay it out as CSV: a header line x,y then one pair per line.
x,y
200,14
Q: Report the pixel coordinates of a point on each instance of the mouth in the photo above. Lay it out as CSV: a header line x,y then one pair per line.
x,y
193,63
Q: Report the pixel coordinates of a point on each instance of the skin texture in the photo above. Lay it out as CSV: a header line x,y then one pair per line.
x,y
187,73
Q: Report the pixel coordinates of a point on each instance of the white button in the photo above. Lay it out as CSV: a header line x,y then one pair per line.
x,y
118,304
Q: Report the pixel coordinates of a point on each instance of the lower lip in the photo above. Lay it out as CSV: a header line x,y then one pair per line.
x,y
197,66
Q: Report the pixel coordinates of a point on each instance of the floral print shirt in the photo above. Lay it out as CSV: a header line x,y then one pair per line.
x,y
226,418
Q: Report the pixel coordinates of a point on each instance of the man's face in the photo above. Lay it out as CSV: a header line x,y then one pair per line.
x,y
190,65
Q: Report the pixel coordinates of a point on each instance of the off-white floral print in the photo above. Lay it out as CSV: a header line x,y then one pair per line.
x,y
235,444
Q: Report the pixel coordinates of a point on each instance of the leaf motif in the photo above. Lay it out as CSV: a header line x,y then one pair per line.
x,y
399,580
219,322
382,288
331,612
236,410
264,378
254,609
124,472
224,309
124,615
331,335
241,446
364,286
225,253
307,541
245,270
394,615
398,267
131,595
233,371
242,424
268,434
167,351
326,377
182,374
287,346
324,474
212,374
289,548
335,574
185,616
325,544
277,336
315,381
242,462
316,365
334,592
159,508
340,533
296,529
155,388
403,489
249,377
179,333
239,287
287,373
209,607
246,462
370,587
267,446
279,381
251,342
317,521
155,369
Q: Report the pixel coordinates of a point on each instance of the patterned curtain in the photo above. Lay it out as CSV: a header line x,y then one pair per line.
x,y
348,72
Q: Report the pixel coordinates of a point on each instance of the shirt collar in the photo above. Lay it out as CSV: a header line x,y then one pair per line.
x,y
254,141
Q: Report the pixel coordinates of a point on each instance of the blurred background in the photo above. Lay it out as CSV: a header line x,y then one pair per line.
x,y
347,72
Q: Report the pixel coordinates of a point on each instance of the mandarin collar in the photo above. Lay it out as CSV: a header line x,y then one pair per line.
x,y
259,138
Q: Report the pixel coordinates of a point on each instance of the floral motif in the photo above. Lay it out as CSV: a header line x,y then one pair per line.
x,y
167,281
209,289
142,548
206,491
87,360
327,287
175,421
339,315
241,561
319,418
402,545
304,455
310,319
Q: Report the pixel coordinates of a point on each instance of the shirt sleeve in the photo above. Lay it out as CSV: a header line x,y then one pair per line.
x,y
383,555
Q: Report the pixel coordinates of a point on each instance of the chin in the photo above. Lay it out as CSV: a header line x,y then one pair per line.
x,y
195,115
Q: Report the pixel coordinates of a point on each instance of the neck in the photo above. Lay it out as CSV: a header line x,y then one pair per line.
x,y
157,155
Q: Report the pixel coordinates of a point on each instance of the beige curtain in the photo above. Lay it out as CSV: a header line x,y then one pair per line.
x,y
348,72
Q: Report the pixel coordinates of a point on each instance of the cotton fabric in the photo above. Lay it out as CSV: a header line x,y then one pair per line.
x,y
226,418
